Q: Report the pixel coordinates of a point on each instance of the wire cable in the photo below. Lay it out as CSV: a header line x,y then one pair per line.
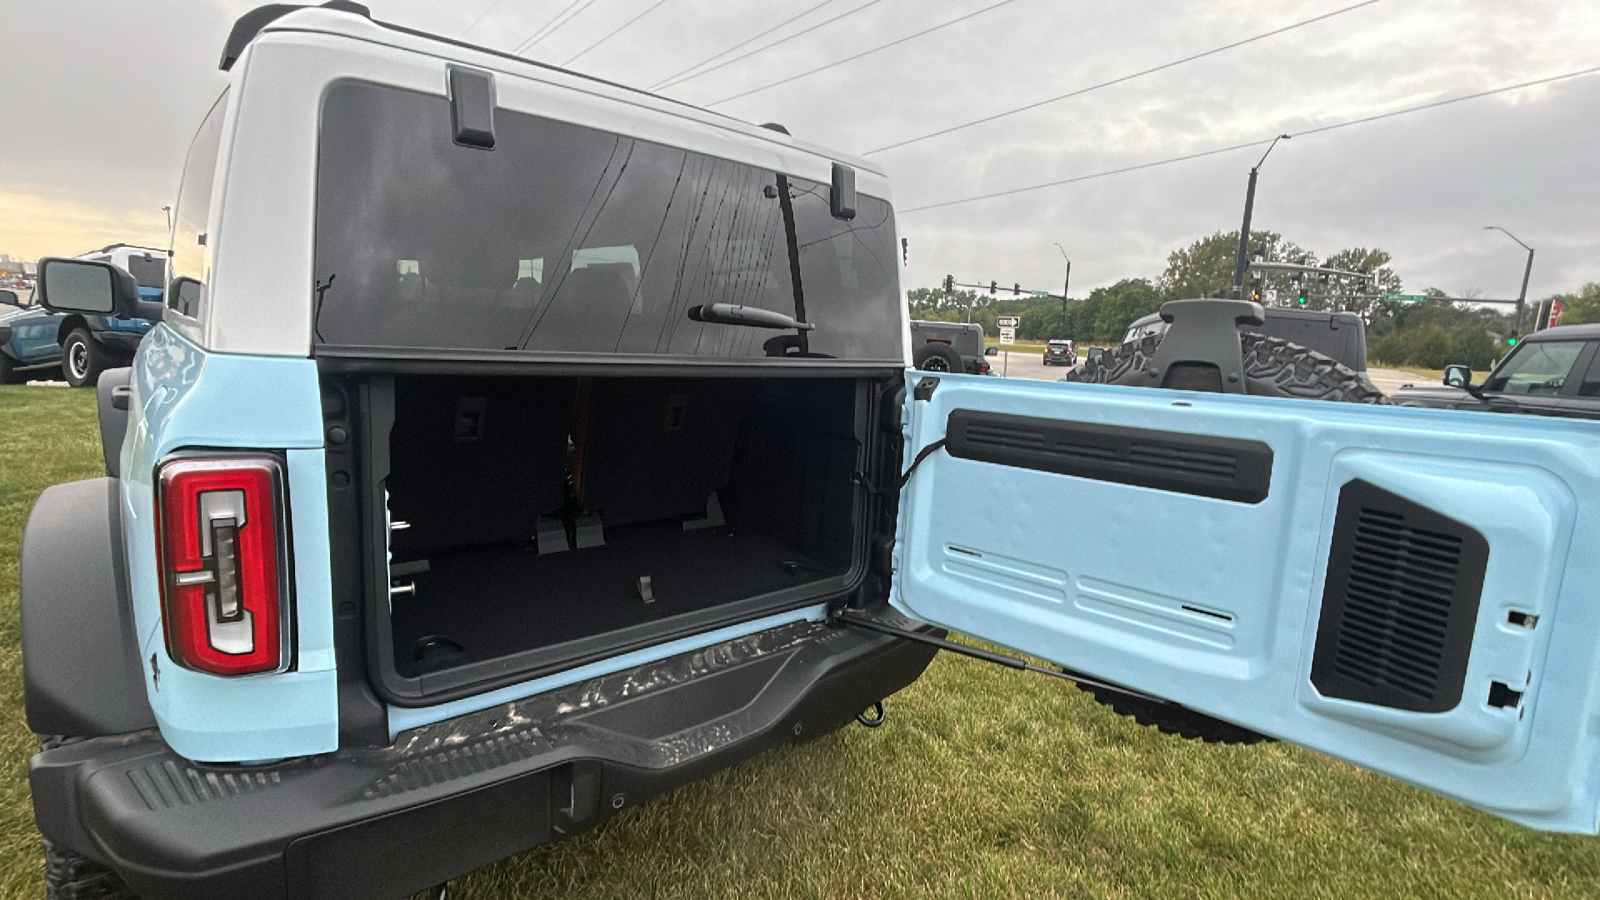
x,y
744,43
803,31
553,26
486,10
614,32
909,37
1309,131
1122,79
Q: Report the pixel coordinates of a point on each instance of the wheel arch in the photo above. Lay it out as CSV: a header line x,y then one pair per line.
x,y
80,656
69,324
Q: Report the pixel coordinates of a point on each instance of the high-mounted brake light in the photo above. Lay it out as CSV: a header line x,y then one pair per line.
x,y
223,591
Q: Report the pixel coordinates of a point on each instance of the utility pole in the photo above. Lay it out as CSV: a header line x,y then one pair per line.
x,y
1243,260
1522,296
1064,286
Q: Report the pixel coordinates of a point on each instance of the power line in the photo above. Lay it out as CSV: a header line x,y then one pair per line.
x,y
486,10
744,43
614,32
553,26
1324,128
775,43
538,33
868,53
1121,79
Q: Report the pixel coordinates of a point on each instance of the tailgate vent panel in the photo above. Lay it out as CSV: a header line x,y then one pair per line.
x,y
1399,604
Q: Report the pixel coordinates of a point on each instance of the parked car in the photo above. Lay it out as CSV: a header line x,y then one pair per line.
x,y
80,347
949,347
1554,372
1060,353
434,530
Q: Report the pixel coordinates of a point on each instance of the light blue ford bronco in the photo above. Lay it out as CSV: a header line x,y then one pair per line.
x,y
515,446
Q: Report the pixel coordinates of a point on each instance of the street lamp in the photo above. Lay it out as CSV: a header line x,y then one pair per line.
x,y
1064,285
1516,327
1243,260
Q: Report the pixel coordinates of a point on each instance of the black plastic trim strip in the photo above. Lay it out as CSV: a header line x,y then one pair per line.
x,y
334,359
1204,465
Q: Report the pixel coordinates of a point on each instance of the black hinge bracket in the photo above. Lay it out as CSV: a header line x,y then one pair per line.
x,y
850,617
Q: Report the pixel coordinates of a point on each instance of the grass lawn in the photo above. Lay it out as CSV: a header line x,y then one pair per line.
x,y
984,783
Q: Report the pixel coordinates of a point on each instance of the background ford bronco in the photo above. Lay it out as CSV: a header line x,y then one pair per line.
x,y
516,446
42,343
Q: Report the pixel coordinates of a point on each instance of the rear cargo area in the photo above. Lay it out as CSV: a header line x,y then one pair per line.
x,y
529,523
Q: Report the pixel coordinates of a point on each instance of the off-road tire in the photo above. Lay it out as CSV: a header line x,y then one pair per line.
x,y
68,876
939,358
1169,718
1273,367
82,358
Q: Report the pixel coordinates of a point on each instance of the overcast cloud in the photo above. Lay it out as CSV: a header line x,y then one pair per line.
x,y
103,97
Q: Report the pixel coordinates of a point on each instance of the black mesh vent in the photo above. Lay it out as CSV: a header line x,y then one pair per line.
x,y
1399,604
1224,468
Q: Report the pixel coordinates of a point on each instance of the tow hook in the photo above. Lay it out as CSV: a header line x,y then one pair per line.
x,y
877,717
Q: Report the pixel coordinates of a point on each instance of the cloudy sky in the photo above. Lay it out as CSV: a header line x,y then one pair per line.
x,y
100,100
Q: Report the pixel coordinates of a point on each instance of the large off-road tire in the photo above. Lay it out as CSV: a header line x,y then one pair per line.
x,y
1173,719
938,358
1273,367
82,358
68,876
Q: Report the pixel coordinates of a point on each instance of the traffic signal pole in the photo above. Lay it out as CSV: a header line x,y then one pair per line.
x,y
1242,261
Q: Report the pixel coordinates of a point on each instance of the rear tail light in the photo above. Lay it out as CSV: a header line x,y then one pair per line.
x,y
224,597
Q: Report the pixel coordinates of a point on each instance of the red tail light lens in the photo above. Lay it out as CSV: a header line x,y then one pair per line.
x,y
223,596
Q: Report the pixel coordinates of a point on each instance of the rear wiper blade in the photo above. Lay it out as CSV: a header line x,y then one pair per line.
x,y
754,317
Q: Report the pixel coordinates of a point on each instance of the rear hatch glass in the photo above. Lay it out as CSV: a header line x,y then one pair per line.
x,y
567,239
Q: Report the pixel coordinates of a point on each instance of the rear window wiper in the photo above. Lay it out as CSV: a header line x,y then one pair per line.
x,y
751,316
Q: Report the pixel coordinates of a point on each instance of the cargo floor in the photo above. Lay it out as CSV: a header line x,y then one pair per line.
x,y
486,603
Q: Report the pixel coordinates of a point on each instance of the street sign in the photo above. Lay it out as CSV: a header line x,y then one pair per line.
x,y
1406,298
1008,334
1271,296
1008,322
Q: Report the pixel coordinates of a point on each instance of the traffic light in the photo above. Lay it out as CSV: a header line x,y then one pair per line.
x,y
1255,289
1016,288
1302,295
949,284
994,286
1512,341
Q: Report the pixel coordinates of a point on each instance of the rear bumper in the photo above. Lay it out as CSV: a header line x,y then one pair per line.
x,y
451,797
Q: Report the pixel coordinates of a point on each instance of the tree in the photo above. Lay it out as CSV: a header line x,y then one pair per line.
x,y
1118,305
1582,306
1206,266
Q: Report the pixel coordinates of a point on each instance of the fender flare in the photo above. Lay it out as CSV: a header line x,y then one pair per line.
x,y
80,655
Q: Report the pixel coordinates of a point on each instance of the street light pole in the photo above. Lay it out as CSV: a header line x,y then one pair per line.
x,y
1240,263
1522,296
1064,285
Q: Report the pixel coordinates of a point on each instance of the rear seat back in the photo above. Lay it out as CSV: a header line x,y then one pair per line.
x,y
657,449
476,460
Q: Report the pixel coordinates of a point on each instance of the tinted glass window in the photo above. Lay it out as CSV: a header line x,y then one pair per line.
x,y
1536,367
568,239
1590,386
189,218
148,271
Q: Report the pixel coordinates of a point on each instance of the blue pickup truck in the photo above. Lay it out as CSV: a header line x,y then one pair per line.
x,y
35,342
